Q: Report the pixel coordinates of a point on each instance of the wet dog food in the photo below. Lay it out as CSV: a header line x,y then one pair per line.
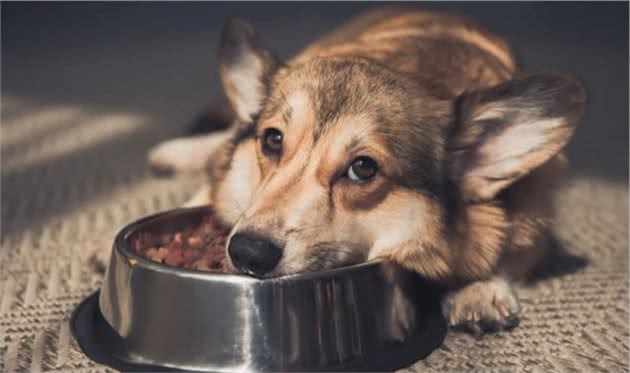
x,y
200,247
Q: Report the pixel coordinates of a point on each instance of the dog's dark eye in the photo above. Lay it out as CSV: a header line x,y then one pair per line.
x,y
362,169
272,142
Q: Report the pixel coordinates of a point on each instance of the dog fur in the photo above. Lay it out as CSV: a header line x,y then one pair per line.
x,y
469,154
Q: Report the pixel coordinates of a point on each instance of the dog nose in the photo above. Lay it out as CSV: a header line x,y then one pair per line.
x,y
251,253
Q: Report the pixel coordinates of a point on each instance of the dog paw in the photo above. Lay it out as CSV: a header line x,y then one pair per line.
x,y
482,307
186,154
177,155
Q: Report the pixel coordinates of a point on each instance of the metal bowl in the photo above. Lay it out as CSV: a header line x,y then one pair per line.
x,y
371,316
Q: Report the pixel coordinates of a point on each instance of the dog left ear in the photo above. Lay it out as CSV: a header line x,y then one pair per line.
x,y
505,132
246,68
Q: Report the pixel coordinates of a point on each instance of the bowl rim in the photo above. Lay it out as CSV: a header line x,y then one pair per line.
x,y
121,245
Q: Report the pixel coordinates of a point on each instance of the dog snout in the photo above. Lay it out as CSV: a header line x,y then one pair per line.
x,y
254,254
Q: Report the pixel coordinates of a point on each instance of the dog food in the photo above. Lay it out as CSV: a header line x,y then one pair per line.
x,y
200,247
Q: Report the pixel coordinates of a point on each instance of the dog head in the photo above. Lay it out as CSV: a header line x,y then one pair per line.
x,y
340,160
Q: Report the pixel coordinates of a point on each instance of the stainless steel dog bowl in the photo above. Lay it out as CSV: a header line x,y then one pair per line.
x,y
372,316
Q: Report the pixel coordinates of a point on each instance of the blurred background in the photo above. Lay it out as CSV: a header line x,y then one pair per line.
x,y
159,59
87,88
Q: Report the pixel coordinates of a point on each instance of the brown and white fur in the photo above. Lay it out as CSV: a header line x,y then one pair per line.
x,y
467,154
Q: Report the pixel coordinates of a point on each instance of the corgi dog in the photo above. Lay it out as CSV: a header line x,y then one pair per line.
x,y
404,135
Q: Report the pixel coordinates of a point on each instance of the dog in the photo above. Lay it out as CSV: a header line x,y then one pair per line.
x,y
406,135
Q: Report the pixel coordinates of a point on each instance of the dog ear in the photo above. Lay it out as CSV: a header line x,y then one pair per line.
x,y
245,67
504,132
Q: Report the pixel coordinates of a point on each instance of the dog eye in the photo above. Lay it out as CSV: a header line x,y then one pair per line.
x,y
362,169
272,142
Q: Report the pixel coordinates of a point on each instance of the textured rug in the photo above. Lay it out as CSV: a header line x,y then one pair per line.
x,y
71,177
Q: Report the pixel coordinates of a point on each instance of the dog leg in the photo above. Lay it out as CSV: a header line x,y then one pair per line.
x,y
200,198
482,306
186,154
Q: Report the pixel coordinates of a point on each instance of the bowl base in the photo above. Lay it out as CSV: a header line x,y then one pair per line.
x,y
100,342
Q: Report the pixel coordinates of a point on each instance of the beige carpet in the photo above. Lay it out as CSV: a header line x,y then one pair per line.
x,y
72,176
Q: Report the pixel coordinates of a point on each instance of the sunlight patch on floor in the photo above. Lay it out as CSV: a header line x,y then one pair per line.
x,y
93,130
21,128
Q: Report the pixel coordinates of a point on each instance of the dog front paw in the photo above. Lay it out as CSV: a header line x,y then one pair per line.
x,y
482,307
186,154
177,155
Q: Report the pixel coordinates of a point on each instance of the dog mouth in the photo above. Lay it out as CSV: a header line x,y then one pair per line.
x,y
325,256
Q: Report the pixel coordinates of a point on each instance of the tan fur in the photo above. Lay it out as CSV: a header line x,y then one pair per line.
x,y
407,40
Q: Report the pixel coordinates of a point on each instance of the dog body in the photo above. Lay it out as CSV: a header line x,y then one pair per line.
x,y
403,135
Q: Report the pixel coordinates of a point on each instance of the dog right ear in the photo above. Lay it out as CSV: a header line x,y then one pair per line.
x,y
246,68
